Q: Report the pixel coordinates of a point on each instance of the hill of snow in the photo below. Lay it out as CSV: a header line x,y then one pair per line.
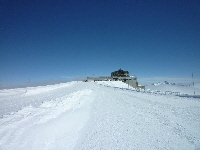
x,y
98,115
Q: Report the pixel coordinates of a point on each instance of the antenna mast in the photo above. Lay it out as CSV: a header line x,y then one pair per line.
x,y
193,82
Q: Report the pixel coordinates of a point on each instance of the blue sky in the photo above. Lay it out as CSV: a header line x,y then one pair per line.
x,y
63,39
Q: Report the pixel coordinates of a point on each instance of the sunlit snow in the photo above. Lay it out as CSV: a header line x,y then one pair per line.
x,y
99,115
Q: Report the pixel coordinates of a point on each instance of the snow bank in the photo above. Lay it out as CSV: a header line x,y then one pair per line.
x,y
118,84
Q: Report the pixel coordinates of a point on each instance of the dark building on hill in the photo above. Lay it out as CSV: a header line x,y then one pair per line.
x,y
119,75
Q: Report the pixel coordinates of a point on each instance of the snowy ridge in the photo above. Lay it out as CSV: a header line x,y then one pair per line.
x,y
97,115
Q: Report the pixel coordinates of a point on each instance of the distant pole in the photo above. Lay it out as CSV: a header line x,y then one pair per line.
x,y
193,81
192,78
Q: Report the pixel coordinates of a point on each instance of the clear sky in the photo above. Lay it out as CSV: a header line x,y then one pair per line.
x,y
63,39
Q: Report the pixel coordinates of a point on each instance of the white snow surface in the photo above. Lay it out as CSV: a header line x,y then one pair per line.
x,y
98,115
183,89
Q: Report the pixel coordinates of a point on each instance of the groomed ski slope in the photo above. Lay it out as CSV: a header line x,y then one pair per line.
x,y
96,115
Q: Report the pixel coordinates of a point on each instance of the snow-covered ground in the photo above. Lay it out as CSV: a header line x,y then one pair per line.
x,y
183,89
99,115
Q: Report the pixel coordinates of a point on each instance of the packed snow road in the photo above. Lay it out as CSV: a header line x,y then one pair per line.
x,y
78,115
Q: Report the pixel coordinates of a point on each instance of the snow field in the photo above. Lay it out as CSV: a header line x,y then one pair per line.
x,y
122,119
187,89
13,100
39,127
97,115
